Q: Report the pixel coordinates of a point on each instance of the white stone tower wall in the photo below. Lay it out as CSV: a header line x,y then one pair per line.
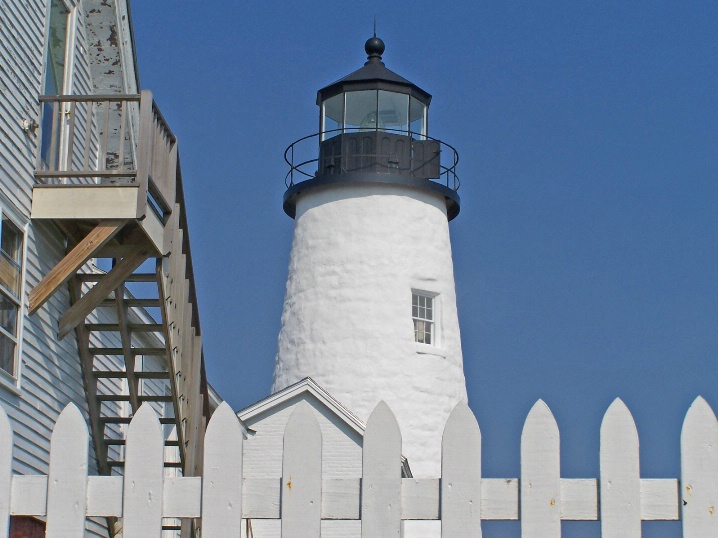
x,y
358,253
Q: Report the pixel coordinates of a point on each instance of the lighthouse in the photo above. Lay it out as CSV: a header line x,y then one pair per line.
x,y
370,305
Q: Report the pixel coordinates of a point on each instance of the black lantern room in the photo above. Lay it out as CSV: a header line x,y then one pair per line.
x,y
373,129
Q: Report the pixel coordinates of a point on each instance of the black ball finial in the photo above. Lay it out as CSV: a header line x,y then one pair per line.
x,y
374,48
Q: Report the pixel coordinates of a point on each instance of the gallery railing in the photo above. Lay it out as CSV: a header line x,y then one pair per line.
x,y
387,151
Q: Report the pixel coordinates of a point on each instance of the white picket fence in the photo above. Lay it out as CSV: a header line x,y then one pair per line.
x,y
461,499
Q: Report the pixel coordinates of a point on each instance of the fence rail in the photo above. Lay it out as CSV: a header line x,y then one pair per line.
x,y
461,498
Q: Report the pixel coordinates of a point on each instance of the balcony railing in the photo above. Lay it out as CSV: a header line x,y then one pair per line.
x,y
381,151
108,140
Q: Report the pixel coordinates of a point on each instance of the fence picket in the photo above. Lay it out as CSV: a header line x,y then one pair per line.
x,y
699,471
302,475
620,481
461,475
540,475
142,495
381,475
67,483
222,482
6,441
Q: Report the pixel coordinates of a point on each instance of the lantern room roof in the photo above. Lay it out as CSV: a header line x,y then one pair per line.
x,y
374,75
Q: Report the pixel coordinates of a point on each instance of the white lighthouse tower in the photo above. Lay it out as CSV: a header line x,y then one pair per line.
x,y
370,306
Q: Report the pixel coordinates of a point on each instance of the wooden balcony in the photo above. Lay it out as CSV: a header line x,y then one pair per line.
x,y
108,176
106,157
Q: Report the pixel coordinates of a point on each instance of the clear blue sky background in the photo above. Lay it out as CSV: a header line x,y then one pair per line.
x,y
586,251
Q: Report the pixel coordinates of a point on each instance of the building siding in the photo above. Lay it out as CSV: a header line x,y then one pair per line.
x,y
49,372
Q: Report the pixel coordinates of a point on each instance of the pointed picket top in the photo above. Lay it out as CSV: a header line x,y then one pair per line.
x,y
222,475
620,480
6,441
540,474
67,483
144,475
381,475
302,475
699,471
461,475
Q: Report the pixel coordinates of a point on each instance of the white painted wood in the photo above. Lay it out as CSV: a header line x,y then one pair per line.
x,y
302,475
500,498
620,478
260,498
85,202
67,483
419,498
461,475
182,496
699,471
381,476
28,495
104,496
659,499
6,441
540,475
579,499
222,487
144,476
340,498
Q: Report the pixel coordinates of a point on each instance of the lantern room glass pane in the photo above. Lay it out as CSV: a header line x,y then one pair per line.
x,y
417,118
361,111
332,116
393,111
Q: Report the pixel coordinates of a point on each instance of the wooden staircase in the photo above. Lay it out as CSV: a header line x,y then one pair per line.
x,y
129,270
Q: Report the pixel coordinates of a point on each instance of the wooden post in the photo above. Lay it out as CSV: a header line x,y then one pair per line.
x,y
144,476
381,476
67,482
461,475
6,441
540,475
302,475
620,474
144,150
699,471
222,481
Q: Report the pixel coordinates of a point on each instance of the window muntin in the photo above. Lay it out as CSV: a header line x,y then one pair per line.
x,y
11,253
422,313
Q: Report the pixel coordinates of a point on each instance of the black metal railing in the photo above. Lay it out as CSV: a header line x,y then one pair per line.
x,y
387,151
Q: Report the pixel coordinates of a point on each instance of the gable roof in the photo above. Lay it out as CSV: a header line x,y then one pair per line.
x,y
309,386
305,385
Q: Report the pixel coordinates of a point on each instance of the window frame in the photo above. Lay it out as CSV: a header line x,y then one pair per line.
x,y
66,87
11,380
435,338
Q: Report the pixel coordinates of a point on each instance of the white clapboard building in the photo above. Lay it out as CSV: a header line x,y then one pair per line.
x,y
97,298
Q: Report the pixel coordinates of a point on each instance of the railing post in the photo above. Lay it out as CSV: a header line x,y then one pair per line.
x,y
144,151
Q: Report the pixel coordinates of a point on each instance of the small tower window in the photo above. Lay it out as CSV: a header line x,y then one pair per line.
x,y
422,312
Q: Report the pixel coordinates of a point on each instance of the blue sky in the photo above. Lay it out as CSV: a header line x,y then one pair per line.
x,y
586,251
